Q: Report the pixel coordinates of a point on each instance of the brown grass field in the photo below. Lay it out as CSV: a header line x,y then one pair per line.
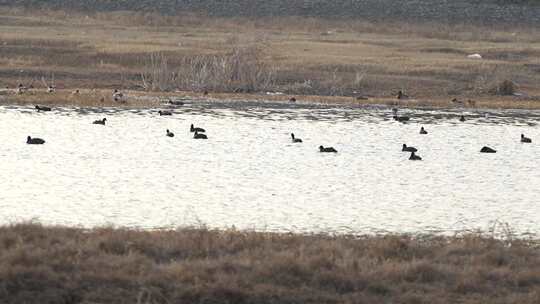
x,y
49,265
304,57
151,57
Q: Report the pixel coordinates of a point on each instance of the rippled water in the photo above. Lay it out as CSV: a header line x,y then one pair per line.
x,y
249,174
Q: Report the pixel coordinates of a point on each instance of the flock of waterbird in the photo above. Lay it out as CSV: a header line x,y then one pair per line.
x,y
423,131
199,133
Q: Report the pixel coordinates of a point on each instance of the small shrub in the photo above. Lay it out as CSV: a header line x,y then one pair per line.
x,y
240,70
505,88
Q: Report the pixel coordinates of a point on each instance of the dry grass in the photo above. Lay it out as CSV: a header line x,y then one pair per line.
x,y
105,265
144,99
294,55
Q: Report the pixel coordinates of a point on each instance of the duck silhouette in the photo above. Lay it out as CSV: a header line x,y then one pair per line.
x,y
401,118
34,141
327,149
525,139
100,122
414,157
198,135
408,149
164,113
423,131
294,139
486,149
193,129
42,108
169,133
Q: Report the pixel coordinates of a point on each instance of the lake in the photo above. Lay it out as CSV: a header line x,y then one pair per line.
x,y
249,174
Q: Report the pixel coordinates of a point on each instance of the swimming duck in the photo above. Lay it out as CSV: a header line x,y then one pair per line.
x,y
199,136
408,149
401,118
462,118
423,131
34,141
487,150
295,140
41,108
414,157
169,133
525,139
193,129
100,122
327,149
162,113
176,102
292,99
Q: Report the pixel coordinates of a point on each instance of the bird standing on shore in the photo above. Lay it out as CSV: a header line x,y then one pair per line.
x,y
21,88
117,95
401,95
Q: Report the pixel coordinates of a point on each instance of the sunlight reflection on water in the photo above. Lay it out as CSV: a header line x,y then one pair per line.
x,y
249,174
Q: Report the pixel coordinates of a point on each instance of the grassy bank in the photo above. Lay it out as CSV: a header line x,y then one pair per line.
x,y
294,55
104,265
145,99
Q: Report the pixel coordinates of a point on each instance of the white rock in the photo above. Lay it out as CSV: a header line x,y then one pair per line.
x,y
474,56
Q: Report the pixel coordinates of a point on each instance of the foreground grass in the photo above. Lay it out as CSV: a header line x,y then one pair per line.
x,y
104,265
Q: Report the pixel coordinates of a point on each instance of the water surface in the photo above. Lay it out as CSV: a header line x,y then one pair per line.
x,y
250,175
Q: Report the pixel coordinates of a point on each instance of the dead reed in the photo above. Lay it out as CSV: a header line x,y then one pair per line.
x,y
104,265
240,70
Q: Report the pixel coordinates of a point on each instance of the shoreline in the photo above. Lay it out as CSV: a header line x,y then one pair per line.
x,y
149,99
57,264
